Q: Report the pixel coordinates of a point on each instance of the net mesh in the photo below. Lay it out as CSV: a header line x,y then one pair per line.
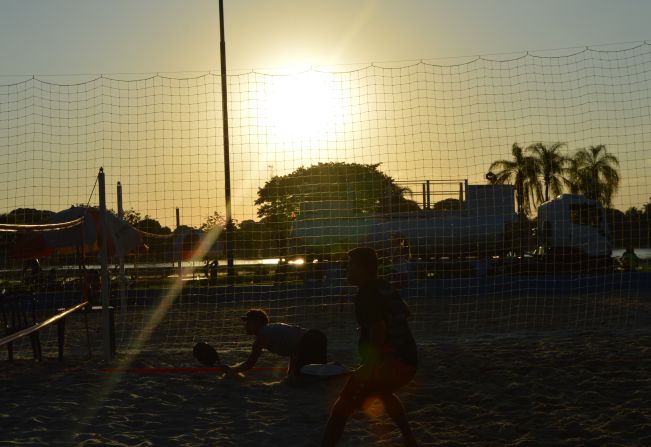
x,y
394,157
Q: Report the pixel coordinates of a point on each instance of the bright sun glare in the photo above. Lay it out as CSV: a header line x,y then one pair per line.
x,y
300,107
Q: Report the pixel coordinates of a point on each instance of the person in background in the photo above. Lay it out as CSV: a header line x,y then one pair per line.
x,y
629,259
32,272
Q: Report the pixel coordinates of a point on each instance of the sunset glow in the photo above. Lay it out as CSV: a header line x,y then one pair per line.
x,y
300,107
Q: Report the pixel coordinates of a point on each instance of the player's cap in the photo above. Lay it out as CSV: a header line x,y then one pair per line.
x,y
257,315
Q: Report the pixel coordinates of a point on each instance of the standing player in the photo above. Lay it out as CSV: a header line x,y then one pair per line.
x,y
386,347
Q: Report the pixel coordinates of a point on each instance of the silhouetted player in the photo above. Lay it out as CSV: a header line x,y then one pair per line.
x,y
301,345
386,347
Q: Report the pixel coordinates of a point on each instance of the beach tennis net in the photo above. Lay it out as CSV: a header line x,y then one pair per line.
x,y
499,193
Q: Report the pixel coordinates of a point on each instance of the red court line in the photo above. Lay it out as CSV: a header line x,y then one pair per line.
x,y
176,370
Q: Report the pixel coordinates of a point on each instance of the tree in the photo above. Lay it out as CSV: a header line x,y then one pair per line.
x,y
593,173
147,223
26,216
363,187
360,188
250,240
216,221
132,217
522,172
155,236
552,165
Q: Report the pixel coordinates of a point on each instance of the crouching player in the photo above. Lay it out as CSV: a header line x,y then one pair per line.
x,y
301,345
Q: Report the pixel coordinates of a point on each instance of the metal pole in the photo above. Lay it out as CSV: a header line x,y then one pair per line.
x,y
123,278
424,197
429,204
178,225
103,256
227,164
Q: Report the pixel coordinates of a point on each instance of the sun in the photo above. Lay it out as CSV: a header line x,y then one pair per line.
x,y
302,107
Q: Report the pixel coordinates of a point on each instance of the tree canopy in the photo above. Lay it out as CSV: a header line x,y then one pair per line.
x,y
594,174
522,171
541,172
552,165
363,186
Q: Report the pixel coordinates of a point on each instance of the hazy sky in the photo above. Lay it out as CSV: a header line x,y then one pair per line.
x,y
142,36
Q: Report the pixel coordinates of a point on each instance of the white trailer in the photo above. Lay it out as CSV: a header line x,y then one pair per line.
x,y
326,229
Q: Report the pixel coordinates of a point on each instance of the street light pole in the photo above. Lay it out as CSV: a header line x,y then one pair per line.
x,y
227,166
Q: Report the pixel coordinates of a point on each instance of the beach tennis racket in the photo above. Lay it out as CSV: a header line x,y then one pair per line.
x,y
206,354
325,370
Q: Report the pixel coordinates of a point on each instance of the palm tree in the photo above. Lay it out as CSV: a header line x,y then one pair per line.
x,y
593,173
522,172
553,165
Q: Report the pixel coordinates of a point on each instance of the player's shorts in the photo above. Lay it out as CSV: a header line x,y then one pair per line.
x,y
313,348
387,377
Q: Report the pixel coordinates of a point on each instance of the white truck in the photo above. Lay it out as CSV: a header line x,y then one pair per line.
x,y
571,225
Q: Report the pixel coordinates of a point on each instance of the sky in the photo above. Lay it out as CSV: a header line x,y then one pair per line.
x,y
46,37
51,145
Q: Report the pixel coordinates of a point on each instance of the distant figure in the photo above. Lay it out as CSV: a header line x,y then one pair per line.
x,y
386,347
629,259
301,345
92,286
211,269
32,272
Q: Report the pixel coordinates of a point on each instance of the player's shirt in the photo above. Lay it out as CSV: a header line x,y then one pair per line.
x,y
378,301
281,338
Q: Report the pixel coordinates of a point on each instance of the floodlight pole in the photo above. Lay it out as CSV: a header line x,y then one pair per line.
x,y
227,164
103,255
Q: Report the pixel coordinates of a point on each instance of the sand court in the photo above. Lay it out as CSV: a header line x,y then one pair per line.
x,y
586,388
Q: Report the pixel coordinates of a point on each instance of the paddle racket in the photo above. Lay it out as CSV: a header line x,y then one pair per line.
x,y
206,354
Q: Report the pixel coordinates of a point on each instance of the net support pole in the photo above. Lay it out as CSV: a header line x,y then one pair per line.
x,y
103,258
227,167
123,278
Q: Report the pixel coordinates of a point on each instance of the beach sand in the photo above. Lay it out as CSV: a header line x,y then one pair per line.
x,y
589,388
